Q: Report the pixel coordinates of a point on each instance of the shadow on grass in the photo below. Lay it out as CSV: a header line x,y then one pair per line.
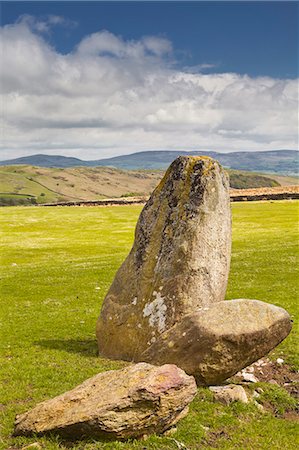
x,y
86,347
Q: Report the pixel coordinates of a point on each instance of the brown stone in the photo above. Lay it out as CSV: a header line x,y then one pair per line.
x,y
216,342
179,261
140,399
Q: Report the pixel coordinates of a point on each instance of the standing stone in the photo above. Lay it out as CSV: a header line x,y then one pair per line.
x,y
179,261
140,399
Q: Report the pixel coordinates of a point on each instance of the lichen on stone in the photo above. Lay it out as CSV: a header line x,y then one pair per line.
x,y
155,311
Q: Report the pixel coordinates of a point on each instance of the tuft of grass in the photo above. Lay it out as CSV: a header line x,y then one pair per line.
x,y
57,265
276,398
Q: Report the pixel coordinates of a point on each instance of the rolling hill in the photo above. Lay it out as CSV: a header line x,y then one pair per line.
x,y
276,161
30,185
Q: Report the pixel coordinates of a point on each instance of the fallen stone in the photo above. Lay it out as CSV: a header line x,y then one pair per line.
x,y
280,361
229,393
216,342
137,400
179,261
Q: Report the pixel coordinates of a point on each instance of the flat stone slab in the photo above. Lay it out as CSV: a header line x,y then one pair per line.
x,y
139,399
179,261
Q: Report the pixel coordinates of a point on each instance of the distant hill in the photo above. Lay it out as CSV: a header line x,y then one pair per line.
x,y
31,185
276,161
46,161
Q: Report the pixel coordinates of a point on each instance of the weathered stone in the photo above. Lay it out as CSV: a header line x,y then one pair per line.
x,y
216,342
140,399
229,393
179,261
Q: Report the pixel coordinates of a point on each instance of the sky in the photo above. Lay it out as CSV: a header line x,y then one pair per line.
x,y
99,79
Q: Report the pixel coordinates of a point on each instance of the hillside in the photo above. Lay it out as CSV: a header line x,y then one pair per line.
x,y
276,161
28,184
279,161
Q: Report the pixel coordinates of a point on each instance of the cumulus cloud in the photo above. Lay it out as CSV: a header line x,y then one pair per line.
x,y
111,96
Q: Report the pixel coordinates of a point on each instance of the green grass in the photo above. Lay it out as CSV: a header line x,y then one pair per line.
x,y
57,264
17,181
243,180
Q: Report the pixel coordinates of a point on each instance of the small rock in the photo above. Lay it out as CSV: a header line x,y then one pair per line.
x,y
280,361
229,393
259,390
259,363
138,400
250,377
256,394
272,382
170,431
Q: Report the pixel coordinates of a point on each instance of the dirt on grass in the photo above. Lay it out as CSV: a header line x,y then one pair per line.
x,y
273,372
277,373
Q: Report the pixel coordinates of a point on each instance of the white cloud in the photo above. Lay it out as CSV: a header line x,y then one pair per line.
x,y
46,23
111,96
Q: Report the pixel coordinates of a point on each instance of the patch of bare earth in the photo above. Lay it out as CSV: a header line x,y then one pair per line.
x,y
277,373
213,436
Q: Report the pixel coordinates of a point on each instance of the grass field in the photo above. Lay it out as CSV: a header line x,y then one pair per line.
x,y
57,264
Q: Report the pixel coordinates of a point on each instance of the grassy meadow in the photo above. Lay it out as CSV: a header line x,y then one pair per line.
x,y
57,265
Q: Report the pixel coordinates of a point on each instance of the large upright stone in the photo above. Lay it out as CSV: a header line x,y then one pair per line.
x,y
179,261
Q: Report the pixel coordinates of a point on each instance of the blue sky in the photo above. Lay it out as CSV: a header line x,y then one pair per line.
x,y
96,79
256,38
